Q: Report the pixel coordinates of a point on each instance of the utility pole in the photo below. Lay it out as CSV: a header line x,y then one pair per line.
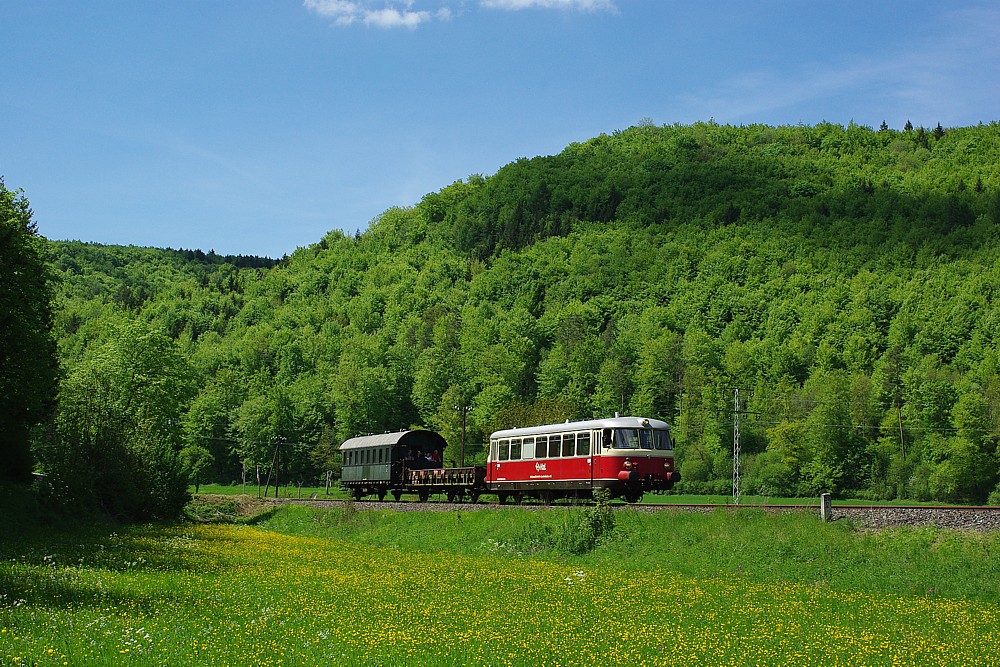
x,y
275,462
464,409
738,409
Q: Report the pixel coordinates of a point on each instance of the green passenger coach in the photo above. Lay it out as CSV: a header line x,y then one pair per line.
x,y
376,464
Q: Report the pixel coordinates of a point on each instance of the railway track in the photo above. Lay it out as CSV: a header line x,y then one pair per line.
x,y
871,517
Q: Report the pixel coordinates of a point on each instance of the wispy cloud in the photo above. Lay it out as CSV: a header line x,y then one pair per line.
x,y
577,5
388,15
404,13
929,80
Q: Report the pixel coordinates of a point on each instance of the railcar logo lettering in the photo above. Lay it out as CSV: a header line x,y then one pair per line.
x,y
539,467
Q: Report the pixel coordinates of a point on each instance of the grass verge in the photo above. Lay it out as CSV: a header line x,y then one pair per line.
x,y
497,587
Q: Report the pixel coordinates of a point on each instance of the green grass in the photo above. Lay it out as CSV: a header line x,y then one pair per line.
x,y
337,493
304,492
499,586
749,543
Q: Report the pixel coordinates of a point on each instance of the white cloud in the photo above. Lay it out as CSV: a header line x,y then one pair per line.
x,y
343,12
395,18
401,13
582,5
389,15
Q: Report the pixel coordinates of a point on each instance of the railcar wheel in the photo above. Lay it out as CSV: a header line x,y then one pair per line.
x,y
632,497
397,494
502,497
475,497
357,494
423,495
381,495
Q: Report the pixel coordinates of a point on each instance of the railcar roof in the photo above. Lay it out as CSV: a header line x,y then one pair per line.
x,y
418,437
611,422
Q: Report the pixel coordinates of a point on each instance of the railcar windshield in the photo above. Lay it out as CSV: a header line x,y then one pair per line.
x,y
641,438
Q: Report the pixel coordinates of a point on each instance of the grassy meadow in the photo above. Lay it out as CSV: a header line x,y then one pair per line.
x,y
511,586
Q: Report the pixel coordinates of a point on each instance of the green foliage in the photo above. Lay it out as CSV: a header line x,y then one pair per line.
x,y
28,367
196,461
846,275
117,437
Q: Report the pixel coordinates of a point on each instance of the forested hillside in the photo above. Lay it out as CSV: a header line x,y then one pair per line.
x,y
847,276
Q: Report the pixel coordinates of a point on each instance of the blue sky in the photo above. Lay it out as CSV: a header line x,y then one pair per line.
x,y
255,127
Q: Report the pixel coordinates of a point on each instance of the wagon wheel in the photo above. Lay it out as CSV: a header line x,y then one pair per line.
x,y
454,496
502,497
381,495
518,498
475,496
632,497
357,494
397,494
423,495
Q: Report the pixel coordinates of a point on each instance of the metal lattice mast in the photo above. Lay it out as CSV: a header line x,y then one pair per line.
x,y
736,446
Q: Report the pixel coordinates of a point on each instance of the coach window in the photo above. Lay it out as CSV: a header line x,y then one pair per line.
x,y
515,449
528,448
661,440
504,450
554,445
583,444
568,444
541,446
626,438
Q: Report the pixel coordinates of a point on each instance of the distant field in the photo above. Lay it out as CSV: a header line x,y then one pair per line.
x,y
299,586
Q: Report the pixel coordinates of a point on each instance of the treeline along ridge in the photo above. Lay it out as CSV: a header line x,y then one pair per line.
x,y
847,276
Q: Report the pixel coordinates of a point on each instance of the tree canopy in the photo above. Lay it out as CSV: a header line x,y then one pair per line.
x,y
28,366
844,274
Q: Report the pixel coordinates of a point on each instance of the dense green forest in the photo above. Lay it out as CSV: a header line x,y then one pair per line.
x,y
846,276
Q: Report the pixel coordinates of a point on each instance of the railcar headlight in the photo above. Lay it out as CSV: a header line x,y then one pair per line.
x,y
628,464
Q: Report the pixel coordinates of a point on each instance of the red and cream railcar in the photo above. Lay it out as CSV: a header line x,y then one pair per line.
x,y
626,456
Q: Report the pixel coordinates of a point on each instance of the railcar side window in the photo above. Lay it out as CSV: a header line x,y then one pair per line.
x,y
568,444
583,444
528,448
626,438
504,450
541,447
661,440
554,445
515,449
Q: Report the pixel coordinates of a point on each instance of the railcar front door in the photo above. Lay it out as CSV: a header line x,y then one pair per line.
x,y
595,448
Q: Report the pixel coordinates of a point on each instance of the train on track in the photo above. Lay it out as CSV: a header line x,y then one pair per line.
x,y
625,456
